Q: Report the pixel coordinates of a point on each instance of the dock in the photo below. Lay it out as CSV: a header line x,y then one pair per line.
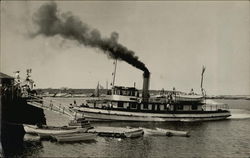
x,y
117,132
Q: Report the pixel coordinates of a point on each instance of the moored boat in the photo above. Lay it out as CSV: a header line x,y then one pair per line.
x,y
173,132
134,134
165,132
80,122
47,131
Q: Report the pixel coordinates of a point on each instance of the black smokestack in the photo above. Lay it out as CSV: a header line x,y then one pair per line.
x,y
145,88
51,22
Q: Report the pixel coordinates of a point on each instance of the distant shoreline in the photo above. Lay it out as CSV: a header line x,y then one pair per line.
x,y
246,97
69,92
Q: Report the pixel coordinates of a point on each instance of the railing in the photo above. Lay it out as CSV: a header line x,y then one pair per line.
x,y
54,106
215,107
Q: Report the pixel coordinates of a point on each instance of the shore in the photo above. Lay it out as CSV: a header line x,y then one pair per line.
x,y
72,93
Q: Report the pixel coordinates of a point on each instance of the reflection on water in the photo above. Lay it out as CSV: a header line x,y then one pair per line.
x,y
31,147
226,138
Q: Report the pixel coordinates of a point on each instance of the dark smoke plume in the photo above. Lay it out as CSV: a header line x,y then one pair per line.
x,y
50,23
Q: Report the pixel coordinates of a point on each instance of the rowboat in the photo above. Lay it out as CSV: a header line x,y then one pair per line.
x,y
188,99
168,132
165,132
80,122
134,133
47,131
75,137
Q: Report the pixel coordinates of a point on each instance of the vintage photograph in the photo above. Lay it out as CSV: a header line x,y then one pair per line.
x,y
125,79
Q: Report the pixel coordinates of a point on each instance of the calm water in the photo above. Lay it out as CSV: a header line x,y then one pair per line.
x,y
227,138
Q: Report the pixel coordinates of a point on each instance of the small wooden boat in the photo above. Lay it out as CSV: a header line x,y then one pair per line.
x,y
188,98
75,137
134,133
168,132
165,132
80,122
47,131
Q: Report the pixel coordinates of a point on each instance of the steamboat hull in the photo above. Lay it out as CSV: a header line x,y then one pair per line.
x,y
115,115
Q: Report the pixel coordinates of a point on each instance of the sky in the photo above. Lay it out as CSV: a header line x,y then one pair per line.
x,y
173,39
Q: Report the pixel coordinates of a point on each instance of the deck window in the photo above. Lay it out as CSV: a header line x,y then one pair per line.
x,y
145,106
166,107
124,92
120,104
133,105
158,107
180,107
194,107
109,92
132,93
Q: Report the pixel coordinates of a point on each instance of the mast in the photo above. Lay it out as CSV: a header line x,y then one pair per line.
x,y
113,83
97,92
202,72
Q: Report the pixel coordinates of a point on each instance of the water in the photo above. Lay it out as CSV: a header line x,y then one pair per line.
x,y
226,138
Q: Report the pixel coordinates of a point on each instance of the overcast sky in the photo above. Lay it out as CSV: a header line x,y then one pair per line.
x,y
173,39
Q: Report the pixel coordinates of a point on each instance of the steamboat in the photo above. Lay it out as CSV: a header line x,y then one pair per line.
x,y
127,104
